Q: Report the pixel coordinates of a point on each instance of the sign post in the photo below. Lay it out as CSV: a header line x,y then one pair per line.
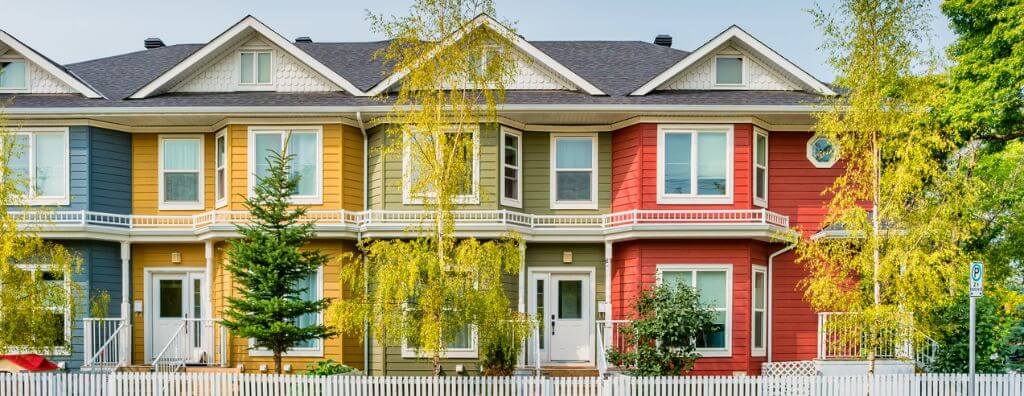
x,y
977,277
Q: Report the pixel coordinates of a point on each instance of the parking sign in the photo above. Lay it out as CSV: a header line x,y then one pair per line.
x,y
977,278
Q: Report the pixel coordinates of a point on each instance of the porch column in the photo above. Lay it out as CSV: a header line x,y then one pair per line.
x,y
522,277
608,281
208,253
126,281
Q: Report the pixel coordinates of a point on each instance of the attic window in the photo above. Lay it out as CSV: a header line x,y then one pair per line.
x,y
255,67
729,70
13,75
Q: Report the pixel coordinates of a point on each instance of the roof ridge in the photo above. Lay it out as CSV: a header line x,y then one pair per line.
x,y
129,53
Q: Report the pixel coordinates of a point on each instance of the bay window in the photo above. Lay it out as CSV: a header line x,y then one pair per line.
x,y
695,164
511,168
13,75
40,163
181,172
714,287
304,144
573,171
760,168
412,162
758,315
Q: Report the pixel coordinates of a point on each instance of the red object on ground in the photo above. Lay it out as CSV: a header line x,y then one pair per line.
x,y
31,362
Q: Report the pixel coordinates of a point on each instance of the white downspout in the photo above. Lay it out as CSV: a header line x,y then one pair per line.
x,y
608,280
771,297
366,205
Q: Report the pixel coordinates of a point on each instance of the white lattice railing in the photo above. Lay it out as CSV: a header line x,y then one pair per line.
x,y
106,343
378,219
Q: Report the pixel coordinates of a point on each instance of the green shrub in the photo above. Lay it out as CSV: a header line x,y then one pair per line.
x,y
328,367
661,338
500,345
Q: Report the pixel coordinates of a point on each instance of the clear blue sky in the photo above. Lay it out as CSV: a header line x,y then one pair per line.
x,y
75,30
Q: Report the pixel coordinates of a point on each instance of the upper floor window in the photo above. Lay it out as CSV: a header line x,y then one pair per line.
x,y
511,168
13,75
416,145
713,284
40,162
821,152
221,168
181,172
695,164
255,67
304,144
729,70
760,168
758,314
573,171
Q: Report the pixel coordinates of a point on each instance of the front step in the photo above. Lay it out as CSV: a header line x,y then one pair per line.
x,y
569,371
138,368
213,369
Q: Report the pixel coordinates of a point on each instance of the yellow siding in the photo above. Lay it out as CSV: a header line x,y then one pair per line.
x,y
146,173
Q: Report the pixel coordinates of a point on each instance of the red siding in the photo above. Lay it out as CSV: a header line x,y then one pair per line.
x,y
635,169
634,267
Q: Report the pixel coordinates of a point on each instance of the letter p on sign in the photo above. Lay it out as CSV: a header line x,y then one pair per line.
x,y
977,278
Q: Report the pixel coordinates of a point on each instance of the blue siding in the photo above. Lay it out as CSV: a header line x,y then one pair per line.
x,y
78,141
110,171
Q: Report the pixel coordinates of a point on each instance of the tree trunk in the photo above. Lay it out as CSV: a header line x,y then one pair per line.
x,y
277,362
437,365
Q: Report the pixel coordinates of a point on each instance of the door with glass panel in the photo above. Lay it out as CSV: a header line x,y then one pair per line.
x,y
562,301
177,299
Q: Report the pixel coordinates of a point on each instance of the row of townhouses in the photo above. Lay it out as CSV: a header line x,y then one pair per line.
x,y
621,163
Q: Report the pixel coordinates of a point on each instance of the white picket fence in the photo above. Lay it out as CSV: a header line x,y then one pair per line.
x,y
196,384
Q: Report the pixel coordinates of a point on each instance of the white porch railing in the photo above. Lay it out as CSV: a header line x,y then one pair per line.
x,y
378,219
107,343
610,335
842,337
193,344
530,359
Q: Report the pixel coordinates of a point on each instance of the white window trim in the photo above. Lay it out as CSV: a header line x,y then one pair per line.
x,y
255,85
316,351
28,74
55,351
810,155
31,199
516,203
756,269
226,166
316,199
553,172
693,198
762,202
409,199
465,353
709,352
743,71
202,174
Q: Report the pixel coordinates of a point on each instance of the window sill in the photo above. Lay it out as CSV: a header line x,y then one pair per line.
x,y
665,199
220,204
61,201
573,205
717,352
180,206
512,203
761,203
757,353
307,200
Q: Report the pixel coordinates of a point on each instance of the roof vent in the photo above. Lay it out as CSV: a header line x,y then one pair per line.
x,y
303,39
153,42
663,40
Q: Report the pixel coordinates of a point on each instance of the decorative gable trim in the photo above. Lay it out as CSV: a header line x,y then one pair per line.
x,y
229,39
756,74
735,33
288,74
38,62
517,42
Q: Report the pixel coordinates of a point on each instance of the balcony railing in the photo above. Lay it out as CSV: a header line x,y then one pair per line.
x,y
383,219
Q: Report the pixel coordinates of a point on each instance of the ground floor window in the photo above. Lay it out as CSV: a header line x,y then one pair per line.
x,y
713,283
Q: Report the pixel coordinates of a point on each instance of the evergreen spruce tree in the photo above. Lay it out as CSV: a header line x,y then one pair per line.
x,y
268,265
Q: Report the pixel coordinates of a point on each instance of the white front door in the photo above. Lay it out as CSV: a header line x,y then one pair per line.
x,y
175,298
563,300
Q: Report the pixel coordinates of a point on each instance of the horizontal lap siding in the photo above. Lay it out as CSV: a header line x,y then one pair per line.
x,y
635,269
795,189
385,164
78,151
145,174
110,171
635,169
537,174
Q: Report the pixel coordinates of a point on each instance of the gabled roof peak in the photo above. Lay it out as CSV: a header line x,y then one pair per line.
x,y
49,66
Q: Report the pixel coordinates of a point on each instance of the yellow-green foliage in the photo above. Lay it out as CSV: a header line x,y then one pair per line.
x,y
26,298
428,288
897,161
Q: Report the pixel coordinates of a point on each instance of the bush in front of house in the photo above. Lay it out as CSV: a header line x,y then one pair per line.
x,y
661,340
500,344
328,367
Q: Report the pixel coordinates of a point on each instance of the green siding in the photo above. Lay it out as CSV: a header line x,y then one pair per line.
x,y
537,172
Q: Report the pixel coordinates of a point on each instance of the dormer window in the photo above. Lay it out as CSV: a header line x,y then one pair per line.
x,y
729,70
255,68
13,75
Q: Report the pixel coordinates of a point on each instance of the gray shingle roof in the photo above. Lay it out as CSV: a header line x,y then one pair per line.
x,y
615,67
